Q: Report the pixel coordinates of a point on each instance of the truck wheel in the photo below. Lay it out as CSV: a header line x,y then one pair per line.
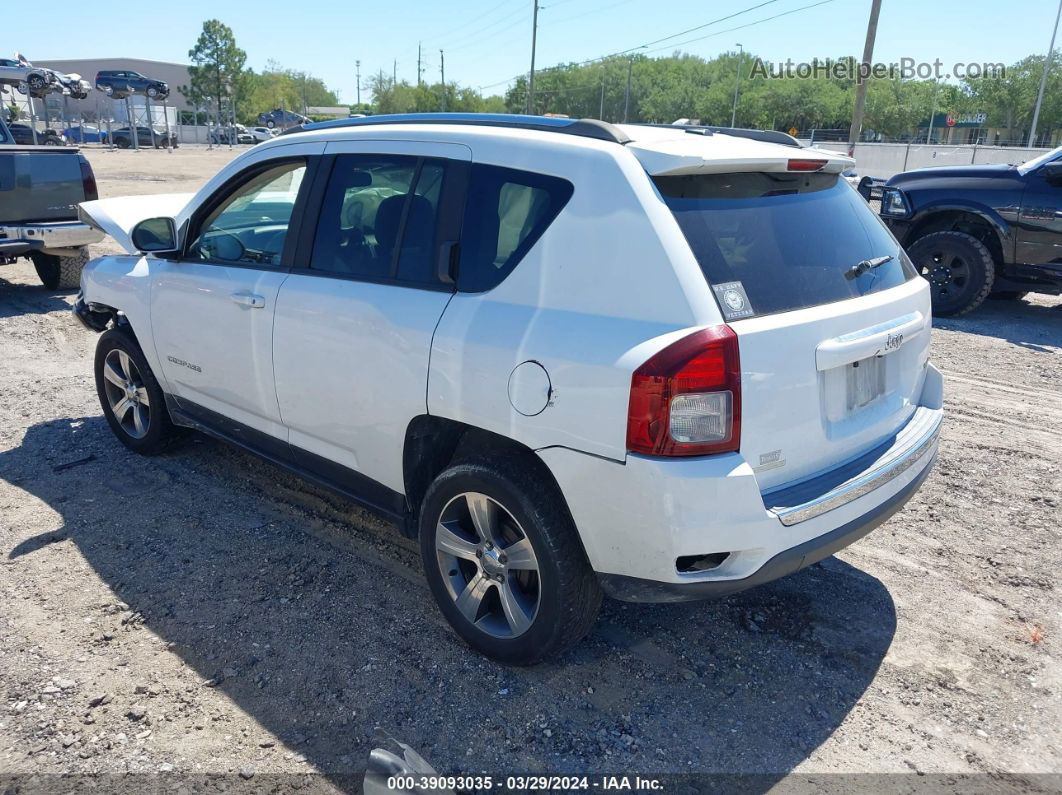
x,y
503,561
60,273
959,268
132,400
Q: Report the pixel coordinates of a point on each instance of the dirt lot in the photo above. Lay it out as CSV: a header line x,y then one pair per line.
x,y
205,612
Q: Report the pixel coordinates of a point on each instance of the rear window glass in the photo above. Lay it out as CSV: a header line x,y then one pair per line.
x,y
786,241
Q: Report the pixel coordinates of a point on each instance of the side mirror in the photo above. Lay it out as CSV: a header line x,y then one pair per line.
x,y
155,235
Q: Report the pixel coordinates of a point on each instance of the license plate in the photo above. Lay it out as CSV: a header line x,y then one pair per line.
x,y
865,381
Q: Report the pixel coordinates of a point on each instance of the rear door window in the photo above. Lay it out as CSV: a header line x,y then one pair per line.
x,y
788,241
505,214
378,219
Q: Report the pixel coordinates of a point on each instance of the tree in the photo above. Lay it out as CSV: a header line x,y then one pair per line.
x,y
216,72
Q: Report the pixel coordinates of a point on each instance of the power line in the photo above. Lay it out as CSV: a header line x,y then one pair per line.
x,y
472,21
493,35
709,24
471,37
740,27
674,35
585,13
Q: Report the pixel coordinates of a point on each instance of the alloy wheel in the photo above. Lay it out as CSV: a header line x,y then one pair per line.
x,y
488,565
126,394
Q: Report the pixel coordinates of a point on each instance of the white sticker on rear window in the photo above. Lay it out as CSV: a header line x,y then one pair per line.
x,y
733,301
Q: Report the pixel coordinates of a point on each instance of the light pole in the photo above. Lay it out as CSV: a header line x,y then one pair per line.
x,y
737,86
1043,78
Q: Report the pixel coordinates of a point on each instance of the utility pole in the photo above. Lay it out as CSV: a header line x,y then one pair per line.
x,y
601,112
442,76
737,87
861,85
394,73
419,70
1043,78
357,67
534,42
627,95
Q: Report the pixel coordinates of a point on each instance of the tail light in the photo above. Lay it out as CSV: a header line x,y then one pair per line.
x,y
807,165
686,400
88,180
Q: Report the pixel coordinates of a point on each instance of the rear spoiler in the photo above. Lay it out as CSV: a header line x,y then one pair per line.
x,y
767,136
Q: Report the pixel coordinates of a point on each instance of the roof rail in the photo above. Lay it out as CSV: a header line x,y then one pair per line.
x,y
767,136
586,128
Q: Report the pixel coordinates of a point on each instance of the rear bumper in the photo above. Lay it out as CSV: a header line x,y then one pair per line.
x,y
637,519
72,234
789,561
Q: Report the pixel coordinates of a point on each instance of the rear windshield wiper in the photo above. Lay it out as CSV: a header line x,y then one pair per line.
x,y
860,268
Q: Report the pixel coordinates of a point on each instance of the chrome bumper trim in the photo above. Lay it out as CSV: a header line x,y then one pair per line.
x,y
795,504
58,235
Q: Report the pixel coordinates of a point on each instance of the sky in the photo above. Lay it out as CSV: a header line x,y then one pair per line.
x,y
487,43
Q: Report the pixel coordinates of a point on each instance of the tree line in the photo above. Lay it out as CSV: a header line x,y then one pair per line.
x,y
219,83
640,88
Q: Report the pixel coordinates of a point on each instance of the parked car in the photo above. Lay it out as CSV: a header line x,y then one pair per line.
x,y
20,72
221,135
72,85
86,133
623,366
979,232
280,118
23,135
38,211
145,137
120,83
262,134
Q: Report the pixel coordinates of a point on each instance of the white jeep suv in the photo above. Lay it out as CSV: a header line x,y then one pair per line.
x,y
571,357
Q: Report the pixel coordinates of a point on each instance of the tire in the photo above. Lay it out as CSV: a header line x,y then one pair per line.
x,y
60,273
152,91
959,268
271,124
144,425
49,141
35,82
551,594
1008,295
123,143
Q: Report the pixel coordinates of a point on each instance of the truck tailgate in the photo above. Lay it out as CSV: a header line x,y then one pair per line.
x,y
39,184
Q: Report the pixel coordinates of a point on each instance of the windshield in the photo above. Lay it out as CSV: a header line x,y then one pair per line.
x,y
1036,162
788,241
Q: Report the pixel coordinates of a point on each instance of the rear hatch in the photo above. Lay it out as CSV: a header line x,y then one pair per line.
x,y
832,320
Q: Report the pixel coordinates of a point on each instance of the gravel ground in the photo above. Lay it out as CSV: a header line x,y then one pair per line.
x,y
203,612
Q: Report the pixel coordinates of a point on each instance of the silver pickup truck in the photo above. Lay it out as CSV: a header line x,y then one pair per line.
x,y
40,189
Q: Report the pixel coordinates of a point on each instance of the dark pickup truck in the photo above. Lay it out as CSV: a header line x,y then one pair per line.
x,y
40,189
981,231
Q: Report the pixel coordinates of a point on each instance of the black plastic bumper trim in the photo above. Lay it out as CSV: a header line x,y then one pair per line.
x,y
634,589
93,321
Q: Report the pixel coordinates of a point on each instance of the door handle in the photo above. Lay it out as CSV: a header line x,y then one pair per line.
x,y
248,299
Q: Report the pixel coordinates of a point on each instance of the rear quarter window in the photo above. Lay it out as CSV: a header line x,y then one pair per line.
x,y
790,240
506,213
